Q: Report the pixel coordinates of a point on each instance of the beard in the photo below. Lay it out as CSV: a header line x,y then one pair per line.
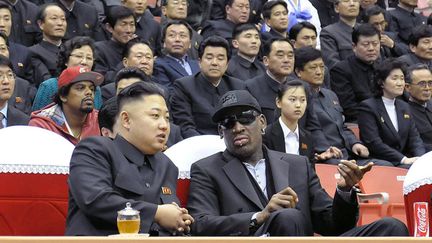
x,y
86,108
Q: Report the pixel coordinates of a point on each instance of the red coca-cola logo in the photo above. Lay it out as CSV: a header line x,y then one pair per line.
x,y
421,219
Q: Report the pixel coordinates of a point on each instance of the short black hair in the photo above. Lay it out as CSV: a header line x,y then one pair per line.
x,y
131,72
131,43
412,68
176,22
267,47
41,15
421,31
67,48
117,13
108,113
214,41
136,91
268,6
7,5
372,11
295,30
304,55
4,61
365,30
238,29
283,87
383,70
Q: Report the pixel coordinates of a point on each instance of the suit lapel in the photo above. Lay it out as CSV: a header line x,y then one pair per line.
x,y
176,66
280,170
403,122
237,175
386,119
278,137
194,66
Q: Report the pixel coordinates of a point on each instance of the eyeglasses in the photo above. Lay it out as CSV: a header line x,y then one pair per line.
x,y
82,57
423,84
244,118
9,76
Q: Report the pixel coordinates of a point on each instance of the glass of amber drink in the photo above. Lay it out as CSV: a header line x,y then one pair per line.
x,y
128,220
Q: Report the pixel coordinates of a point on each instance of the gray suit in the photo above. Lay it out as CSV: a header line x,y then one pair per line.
x,y
105,174
336,43
16,117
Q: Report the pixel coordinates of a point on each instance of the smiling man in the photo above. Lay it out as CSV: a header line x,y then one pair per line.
x,y
72,115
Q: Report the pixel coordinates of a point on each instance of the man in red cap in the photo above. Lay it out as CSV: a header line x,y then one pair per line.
x,y
72,115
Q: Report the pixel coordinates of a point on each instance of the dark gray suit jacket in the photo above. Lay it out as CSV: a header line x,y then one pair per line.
x,y
105,174
16,117
222,199
336,43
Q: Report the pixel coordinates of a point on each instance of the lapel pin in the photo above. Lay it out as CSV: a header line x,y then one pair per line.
x,y
166,190
304,146
87,26
18,99
382,119
335,102
20,65
406,116
28,21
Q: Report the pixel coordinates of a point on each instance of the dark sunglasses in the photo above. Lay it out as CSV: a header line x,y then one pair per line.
x,y
244,118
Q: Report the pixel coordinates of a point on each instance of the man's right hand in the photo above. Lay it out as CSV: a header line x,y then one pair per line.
x,y
173,218
287,198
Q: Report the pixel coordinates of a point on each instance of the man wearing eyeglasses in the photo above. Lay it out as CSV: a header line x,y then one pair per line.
x,y
251,190
419,87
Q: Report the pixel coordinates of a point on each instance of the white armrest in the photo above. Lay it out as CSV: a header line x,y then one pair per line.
x,y
380,197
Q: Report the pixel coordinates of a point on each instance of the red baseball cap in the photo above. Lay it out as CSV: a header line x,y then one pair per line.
x,y
79,73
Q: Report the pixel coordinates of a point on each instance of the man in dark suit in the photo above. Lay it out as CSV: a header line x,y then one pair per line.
x,y
146,27
237,12
420,46
82,19
25,30
120,22
275,14
218,10
419,87
246,64
352,79
336,42
390,44
251,190
44,56
195,97
106,174
9,114
178,10
404,19
175,63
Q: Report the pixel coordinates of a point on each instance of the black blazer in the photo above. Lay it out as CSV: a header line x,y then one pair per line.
x,y
274,140
379,135
423,120
44,59
105,174
194,100
222,200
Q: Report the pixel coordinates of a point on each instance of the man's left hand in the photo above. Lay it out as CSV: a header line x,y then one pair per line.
x,y
351,173
360,150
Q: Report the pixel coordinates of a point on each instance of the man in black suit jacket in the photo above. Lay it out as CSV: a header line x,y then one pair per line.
x,y
327,13
251,190
275,14
44,56
403,19
246,64
195,97
419,44
175,64
352,79
418,85
82,19
9,115
237,12
146,27
106,174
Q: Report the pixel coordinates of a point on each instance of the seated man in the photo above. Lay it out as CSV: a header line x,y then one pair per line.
x,y
404,19
105,173
195,97
275,14
251,190
419,85
246,65
175,63
420,45
72,115
9,115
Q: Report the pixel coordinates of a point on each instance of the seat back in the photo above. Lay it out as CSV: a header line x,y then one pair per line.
x,y
34,166
328,175
187,152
